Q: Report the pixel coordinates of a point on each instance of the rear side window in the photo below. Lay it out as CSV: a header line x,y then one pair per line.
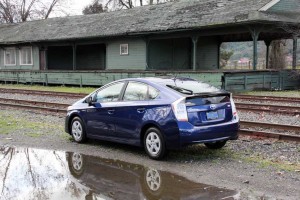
x,y
153,93
135,92
110,93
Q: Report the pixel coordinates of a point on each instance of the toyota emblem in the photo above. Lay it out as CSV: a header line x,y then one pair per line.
x,y
213,107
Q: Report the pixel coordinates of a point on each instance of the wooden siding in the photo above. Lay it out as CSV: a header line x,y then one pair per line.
x,y
136,59
98,78
35,57
260,80
286,6
231,81
170,54
207,53
90,57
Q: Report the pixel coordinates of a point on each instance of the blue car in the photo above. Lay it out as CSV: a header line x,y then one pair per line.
x,y
159,114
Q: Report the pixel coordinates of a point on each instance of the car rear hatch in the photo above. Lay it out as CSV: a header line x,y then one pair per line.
x,y
209,108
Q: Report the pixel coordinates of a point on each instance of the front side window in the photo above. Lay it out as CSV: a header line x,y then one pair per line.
x,y
110,93
135,92
10,56
26,56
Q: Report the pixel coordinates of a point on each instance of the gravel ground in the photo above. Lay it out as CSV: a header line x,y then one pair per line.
x,y
66,100
259,169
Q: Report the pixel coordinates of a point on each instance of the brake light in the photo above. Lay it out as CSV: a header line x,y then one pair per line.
x,y
179,109
234,111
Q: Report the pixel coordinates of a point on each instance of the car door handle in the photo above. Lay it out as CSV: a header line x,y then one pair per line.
x,y
141,110
110,112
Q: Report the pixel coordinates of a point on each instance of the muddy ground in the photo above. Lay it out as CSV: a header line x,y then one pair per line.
x,y
259,169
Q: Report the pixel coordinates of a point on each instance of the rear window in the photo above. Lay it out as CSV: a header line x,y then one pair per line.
x,y
197,101
189,86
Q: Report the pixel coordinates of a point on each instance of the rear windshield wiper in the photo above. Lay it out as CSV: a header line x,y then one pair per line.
x,y
181,90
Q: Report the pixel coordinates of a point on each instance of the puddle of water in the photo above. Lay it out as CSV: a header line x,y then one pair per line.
x,y
45,174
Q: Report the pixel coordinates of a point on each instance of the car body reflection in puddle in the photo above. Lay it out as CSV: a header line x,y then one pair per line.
x,y
45,174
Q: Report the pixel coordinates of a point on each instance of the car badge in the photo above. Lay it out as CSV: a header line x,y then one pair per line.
x,y
213,107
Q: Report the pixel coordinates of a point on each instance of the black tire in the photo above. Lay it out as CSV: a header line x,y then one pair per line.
x,y
79,134
216,145
155,148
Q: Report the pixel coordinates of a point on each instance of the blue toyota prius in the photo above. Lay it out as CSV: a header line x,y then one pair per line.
x,y
159,114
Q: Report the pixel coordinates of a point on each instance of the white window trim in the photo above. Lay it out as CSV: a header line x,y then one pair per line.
x,y
10,48
269,5
20,56
127,46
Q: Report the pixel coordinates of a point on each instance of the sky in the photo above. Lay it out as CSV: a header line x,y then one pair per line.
x,y
76,6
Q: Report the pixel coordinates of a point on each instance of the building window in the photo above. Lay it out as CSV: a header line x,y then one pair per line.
x,y
26,56
10,56
123,49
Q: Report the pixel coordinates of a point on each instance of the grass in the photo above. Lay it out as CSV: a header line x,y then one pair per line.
x,y
84,90
10,124
34,135
265,163
290,93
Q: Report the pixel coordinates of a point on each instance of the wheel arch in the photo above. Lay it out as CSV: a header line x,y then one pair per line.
x,y
71,117
145,127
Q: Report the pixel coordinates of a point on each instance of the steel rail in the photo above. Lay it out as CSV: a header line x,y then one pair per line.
x,y
36,103
267,98
278,136
39,92
30,107
268,125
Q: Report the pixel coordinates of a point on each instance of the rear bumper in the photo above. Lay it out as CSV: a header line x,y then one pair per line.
x,y
190,134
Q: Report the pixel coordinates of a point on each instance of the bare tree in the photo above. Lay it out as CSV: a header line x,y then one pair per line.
x,y
12,11
277,56
127,4
93,8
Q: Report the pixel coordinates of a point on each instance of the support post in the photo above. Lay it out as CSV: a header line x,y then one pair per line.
x,y
147,53
74,56
294,53
195,45
255,34
46,58
268,43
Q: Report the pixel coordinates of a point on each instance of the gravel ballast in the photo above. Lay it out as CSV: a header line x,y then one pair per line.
x,y
257,168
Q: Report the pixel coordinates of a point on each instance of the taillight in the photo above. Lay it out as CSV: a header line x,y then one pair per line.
x,y
234,111
179,109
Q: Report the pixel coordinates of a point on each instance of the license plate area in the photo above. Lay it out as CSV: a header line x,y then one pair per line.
x,y
212,115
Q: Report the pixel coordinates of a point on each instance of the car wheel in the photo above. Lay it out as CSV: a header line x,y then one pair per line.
x,y
77,130
216,145
76,163
154,144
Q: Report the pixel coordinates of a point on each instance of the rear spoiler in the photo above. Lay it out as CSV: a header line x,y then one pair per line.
x,y
210,94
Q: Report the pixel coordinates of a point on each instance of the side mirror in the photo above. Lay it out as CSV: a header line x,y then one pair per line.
x,y
89,100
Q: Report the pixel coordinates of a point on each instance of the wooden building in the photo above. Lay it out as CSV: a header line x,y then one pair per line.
x,y
173,38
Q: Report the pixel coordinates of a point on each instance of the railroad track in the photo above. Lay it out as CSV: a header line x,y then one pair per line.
x,y
60,108
279,136
291,110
